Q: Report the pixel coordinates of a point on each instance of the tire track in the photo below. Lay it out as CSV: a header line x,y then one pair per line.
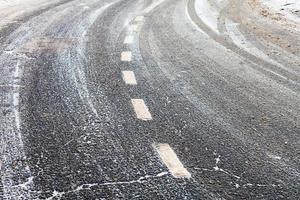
x,y
8,29
291,80
16,176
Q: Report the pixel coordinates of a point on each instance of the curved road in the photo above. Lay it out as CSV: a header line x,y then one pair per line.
x,y
148,99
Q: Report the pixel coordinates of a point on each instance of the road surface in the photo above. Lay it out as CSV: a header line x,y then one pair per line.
x,y
148,99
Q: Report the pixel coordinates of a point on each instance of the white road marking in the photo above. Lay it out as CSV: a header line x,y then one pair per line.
x,y
126,56
171,160
139,19
141,110
129,77
128,39
133,28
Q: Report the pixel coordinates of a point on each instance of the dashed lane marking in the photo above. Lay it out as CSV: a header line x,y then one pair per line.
x,y
141,110
129,77
126,56
139,19
171,160
128,39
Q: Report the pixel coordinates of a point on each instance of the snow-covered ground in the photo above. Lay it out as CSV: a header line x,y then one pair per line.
x,y
289,9
208,14
209,11
10,10
9,4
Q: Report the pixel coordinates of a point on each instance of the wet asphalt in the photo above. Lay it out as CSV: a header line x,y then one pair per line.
x,y
69,130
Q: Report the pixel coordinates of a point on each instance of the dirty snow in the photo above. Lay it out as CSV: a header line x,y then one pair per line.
x,y
289,9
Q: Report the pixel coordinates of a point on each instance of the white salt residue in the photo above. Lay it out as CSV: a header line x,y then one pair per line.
x,y
88,186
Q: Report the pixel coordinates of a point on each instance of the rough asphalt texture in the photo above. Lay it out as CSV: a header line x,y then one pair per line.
x,y
68,129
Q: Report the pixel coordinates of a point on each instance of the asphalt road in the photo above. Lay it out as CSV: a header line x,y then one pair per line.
x,y
93,91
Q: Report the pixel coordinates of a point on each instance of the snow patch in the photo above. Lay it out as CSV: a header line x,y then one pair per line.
x,y
289,9
208,14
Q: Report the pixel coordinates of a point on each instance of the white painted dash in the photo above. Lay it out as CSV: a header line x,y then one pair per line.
x,y
141,110
139,19
126,56
129,77
128,39
171,160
